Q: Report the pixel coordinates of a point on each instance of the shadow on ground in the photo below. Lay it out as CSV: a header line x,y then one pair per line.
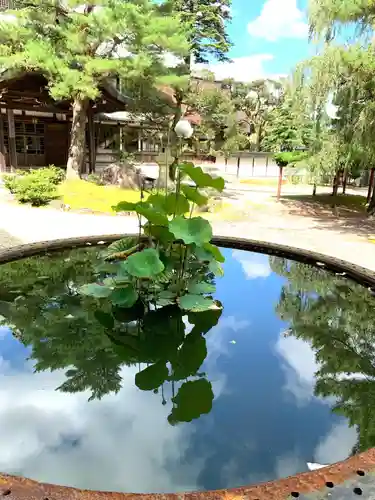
x,y
343,213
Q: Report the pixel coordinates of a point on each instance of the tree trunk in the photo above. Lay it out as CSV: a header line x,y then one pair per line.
x,y
344,181
314,189
279,183
370,185
371,206
77,147
336,182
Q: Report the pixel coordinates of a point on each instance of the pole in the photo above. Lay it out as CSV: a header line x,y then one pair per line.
x,y
279,183
12,140
238,166
371,184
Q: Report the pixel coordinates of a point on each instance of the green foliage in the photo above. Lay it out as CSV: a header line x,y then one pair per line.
x,y
254,103
176,263
144,264
82,49
37,186
95,179
200,178
196,230
10,182
289,157
207,21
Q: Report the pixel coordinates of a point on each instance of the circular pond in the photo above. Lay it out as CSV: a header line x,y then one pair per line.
x,y
283,375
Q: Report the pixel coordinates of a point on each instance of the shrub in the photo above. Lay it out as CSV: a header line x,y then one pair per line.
x,y
54,174
95,179
37,187
10,182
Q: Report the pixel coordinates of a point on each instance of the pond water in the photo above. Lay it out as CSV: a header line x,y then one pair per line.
x,y
287,378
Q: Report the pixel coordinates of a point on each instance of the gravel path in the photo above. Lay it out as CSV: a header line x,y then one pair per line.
x,y
23,224
7,240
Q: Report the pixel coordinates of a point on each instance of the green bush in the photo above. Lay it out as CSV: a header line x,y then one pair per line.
x,y
55,174
37,186
10,182
95,179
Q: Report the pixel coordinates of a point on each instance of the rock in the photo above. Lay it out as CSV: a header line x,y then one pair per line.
x,y
123,175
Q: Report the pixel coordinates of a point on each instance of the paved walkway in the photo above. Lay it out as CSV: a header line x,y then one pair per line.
x,y
22,224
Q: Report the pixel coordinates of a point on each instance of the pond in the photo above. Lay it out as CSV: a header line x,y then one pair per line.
x,y
282,376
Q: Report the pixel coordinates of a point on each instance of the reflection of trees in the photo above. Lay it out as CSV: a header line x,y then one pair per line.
x,y
335,316
92,340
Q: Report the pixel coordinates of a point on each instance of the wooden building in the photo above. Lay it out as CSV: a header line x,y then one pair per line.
x,y
35,129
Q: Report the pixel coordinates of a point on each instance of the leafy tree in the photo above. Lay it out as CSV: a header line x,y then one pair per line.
x,y
219,129
78,48
334,316
207,39
255,103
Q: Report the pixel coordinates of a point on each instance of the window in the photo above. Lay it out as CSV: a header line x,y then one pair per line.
x,y
29,137
5,4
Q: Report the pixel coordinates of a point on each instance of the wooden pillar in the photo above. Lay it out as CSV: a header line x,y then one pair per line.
x,y
91,140
279,184
2,146
12,140
370,185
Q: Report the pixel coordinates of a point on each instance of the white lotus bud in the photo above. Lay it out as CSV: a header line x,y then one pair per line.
x,y
183,129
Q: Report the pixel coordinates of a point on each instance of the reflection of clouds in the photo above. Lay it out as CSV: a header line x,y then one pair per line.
x,y
254,265
337,445
289,465
123,442
217,345
299,367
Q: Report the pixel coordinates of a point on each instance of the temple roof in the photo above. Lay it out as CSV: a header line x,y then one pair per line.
x,y
29,91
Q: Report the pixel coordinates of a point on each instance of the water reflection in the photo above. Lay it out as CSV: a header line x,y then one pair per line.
x,y
255,411
335,318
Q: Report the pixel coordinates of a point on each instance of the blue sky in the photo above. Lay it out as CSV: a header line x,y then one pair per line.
x,y
269,36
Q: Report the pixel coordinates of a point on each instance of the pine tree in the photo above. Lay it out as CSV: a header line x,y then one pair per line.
x,y
207,22
78,47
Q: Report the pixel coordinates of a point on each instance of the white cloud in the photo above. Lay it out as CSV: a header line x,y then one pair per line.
x,y
254,265
123,442
337,445
241,69
279,19
300,367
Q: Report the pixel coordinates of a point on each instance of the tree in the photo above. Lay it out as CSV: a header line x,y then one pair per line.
x,y
219,129
207,38
207,22
78,48
347,75
255,103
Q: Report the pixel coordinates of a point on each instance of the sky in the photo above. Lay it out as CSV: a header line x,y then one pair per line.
x,y
270,37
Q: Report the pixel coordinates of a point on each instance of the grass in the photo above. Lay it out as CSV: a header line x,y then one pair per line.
x,y
83,195
263,182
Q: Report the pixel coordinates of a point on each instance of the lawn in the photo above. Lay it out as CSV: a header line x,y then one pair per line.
x,y
83,195
266,181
